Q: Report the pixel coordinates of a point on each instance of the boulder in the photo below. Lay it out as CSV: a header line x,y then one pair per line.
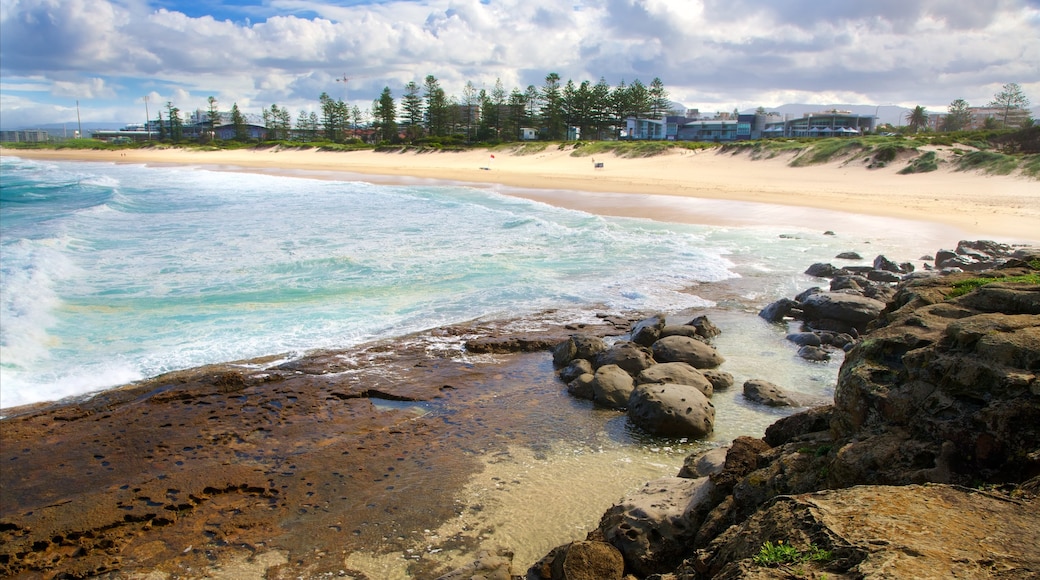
x,y
577,346
671,410
884,264
705,328
705,463
612,387
627,355
720,380
647,331
847,309
575,369
678,373
587,560
822,270
766,393
883,276
805,338
653,526
849,256
778,310
854,282
583,387
688,350
814,353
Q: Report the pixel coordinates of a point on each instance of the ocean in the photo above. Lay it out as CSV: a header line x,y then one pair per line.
x,y
111,273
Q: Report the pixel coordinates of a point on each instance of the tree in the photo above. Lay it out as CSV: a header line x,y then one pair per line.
x,y
238,121
357,117
333,118
384,111
213,115
658,99
412,109
1013,104
176,125
162,127
552,107
917,118
958,116
469,108
436,107
517,113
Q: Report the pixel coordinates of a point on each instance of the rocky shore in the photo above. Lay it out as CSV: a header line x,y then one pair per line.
x,y
925,465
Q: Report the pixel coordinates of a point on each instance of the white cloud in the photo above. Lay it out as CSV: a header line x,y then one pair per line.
x,y
708,52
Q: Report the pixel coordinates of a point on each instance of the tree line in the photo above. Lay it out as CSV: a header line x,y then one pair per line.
x,y
425,112
595,110
1010,103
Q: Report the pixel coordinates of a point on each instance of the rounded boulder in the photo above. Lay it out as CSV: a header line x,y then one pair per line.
x,y
671,410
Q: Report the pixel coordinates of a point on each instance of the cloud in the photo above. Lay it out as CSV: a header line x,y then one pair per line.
x,y
709,53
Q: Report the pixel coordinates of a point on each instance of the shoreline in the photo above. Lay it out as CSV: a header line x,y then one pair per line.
x,y
967,205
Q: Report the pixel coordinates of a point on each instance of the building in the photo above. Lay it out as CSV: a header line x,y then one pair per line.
x,y
693,127
833,123
25,136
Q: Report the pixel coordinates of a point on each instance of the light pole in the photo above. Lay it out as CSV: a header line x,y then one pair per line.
x,y
147,131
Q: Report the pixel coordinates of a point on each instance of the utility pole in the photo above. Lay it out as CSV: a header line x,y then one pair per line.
x,y
148,133
79,124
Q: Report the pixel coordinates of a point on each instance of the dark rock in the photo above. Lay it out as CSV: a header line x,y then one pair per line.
x,y
682,349
671,410
805,338
766,393
705,463
812,420
583,560
575,369
577,346
855,311
678,373
705,328
647,331
823,270
850,282
778,310
582,387
653,527
849,256
628,355
612,387
720,380
814,353
883,276
884,264
805,294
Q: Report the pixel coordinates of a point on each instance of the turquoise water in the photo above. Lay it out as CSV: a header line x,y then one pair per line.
x,y
111,273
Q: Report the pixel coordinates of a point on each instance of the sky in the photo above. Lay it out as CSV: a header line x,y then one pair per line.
x,y
69,61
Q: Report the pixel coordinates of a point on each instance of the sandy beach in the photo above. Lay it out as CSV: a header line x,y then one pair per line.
x,y
970,205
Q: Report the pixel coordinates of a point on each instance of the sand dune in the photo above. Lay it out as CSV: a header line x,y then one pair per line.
x,y
1005,208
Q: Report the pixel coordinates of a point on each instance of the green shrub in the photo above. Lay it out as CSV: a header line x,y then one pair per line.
x,y
988,162
929,161
781,554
